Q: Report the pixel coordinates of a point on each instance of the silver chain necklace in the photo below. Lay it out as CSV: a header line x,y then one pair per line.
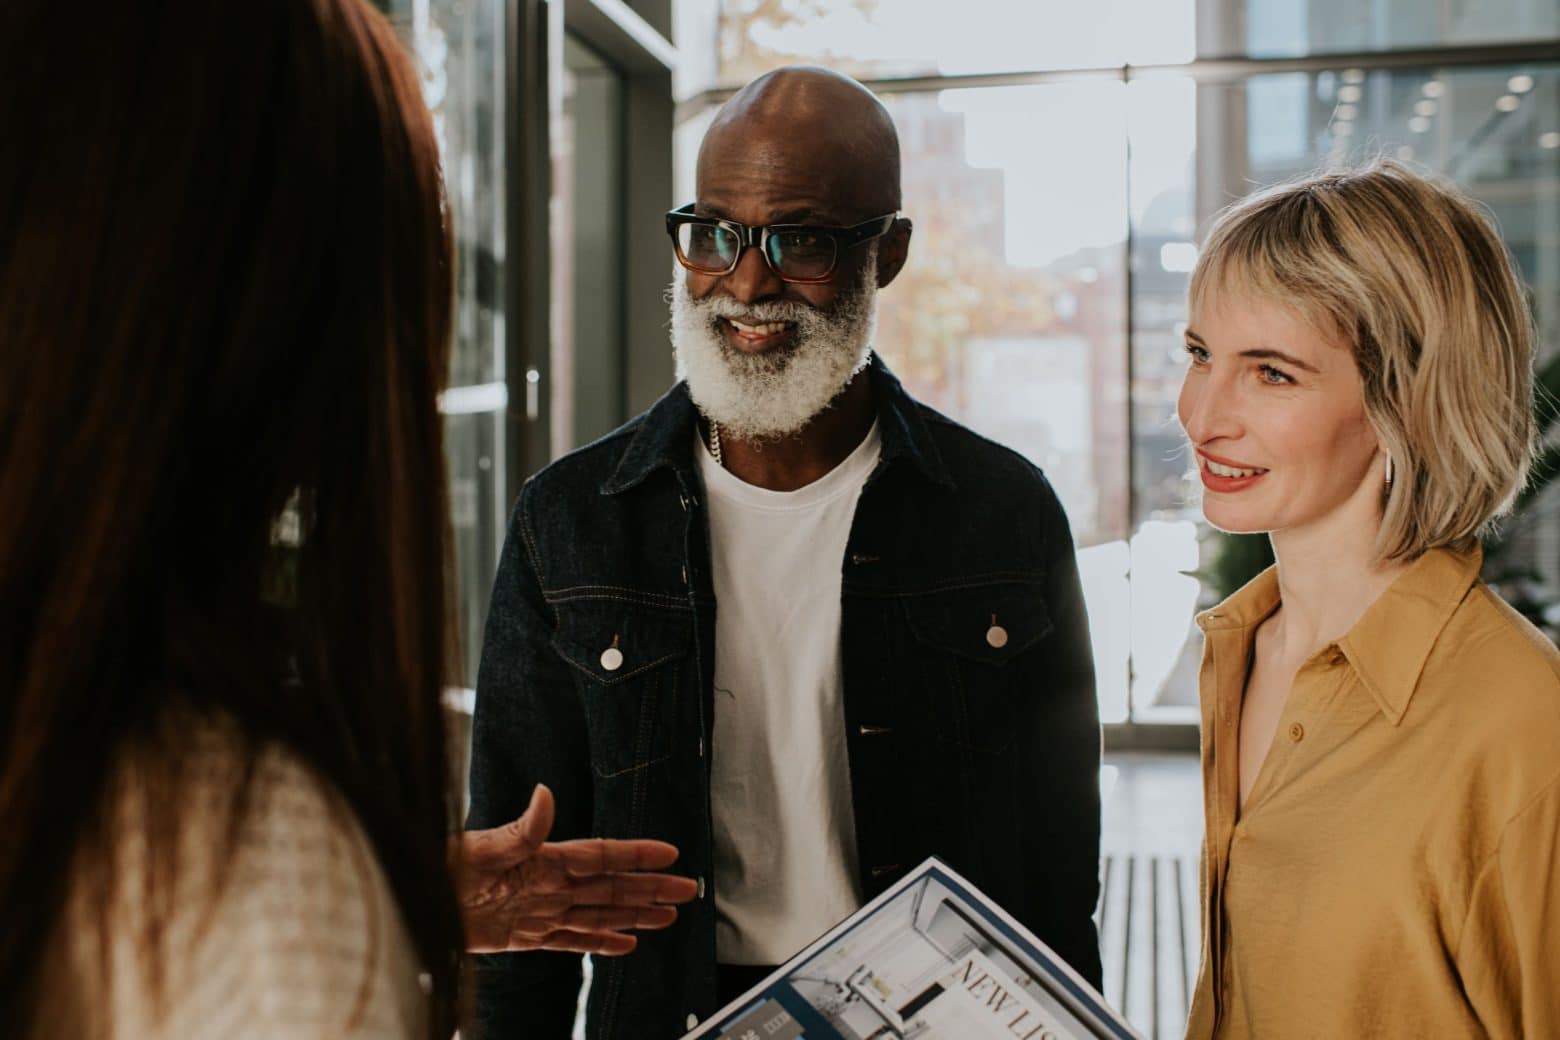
x,y
715,444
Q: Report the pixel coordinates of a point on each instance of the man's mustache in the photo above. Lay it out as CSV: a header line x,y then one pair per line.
x,y
715,307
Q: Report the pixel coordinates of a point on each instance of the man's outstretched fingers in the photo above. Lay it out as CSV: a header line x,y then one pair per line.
x,y
585,856
608,944
633,890
618,918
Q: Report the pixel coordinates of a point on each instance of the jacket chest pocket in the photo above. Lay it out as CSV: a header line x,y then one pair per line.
x,y
628,667
975,643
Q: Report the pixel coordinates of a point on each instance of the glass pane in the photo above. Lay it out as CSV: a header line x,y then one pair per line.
x,y
477,517
1268,28
740,39
459,49
1009,315
874,39
587,358
891,38
1495,131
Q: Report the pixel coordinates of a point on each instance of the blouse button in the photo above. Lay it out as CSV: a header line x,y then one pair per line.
x,y
996,637
612,659
1296,732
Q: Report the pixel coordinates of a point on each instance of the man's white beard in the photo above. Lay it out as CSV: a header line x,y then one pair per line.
x,y
770,395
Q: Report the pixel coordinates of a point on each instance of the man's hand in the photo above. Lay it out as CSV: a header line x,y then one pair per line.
x,y
519,891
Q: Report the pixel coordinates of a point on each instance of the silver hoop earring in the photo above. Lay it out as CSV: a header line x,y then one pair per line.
x,y
1389,470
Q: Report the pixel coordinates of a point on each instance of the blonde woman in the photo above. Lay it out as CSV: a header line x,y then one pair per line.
x,y
1381,733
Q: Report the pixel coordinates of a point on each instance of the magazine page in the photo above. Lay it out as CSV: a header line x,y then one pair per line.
x,y
930,959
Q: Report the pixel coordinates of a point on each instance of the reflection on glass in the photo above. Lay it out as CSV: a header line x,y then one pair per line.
x,y
587,266
1286,28
892,38
471,445
1009,314
458,46
880,39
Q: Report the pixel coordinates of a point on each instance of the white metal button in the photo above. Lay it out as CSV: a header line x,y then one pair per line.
x,y
691,1021
612,659
701,887
996,637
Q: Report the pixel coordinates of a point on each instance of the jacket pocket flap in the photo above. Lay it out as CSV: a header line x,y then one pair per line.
x,y
991,623
611,641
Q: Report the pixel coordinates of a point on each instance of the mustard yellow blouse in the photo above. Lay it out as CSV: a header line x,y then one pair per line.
x,y
1396,869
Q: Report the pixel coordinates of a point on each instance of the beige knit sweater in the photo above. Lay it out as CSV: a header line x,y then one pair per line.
x,y
303,940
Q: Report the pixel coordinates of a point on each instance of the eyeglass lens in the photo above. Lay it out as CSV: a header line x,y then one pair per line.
x,y
794,254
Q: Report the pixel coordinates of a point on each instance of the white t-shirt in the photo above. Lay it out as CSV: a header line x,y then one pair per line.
x,y
785,832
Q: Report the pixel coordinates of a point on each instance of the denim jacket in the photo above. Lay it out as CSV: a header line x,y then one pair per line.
x,y
985,755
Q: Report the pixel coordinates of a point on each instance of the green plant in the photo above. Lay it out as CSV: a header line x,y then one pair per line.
x,y
1518,581
1546,414
1232,561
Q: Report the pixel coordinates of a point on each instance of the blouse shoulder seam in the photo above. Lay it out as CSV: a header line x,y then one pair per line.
x,y
1492,862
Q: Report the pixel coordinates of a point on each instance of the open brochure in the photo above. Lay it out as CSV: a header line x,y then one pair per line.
x,y
930,959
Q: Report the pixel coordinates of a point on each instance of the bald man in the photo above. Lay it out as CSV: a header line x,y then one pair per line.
x,y
790,620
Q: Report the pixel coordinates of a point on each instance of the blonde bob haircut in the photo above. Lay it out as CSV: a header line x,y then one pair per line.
x,y
1412,276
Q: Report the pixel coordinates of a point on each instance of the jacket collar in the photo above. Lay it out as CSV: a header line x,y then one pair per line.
x,y
664,437
1390,643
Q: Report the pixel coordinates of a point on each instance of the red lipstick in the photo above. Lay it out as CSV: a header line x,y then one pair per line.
x,y
1222,483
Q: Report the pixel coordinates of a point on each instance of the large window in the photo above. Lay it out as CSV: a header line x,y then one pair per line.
x,y
459,48
1059,166
541,109
727,42
1059,191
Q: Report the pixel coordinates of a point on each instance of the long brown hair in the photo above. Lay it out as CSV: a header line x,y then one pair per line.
x,y
224,286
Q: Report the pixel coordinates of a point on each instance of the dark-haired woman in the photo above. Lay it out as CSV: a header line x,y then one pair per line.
x,y
225,299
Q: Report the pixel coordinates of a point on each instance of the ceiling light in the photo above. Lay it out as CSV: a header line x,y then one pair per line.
x,y
1508,102
1342,128
1406,152
1351,93
1425,108
1419,124
1520,84
1345,112
1354,75
1434,88
1549,140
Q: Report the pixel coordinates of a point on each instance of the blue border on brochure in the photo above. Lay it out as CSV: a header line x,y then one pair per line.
x,y
815,1025
1102,1014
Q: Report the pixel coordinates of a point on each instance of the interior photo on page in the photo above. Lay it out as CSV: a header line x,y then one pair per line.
x,y
929,959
